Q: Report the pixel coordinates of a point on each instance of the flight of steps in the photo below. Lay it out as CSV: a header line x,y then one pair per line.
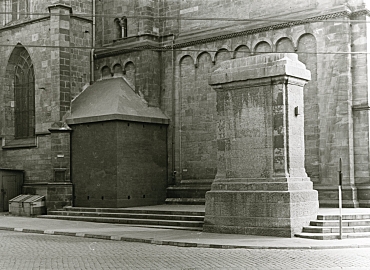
x,y
160,218
326,227
190,192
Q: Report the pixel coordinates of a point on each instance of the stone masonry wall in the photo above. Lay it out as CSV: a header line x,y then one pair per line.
x,y
322,45
239,9
326,96
79,59
46,38
135,11
35,161
360,82
146,79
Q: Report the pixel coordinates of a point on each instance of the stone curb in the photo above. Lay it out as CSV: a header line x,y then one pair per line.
x,y
173,243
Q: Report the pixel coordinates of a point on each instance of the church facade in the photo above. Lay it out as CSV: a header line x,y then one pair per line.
x,y
108,103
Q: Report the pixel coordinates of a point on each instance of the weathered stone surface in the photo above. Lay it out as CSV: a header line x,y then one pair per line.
x,y
261,186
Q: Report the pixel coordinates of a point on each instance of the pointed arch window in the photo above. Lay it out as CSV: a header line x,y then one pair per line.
x,y
24,94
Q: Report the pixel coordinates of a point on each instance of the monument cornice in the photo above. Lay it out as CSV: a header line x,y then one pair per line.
x,y
249,83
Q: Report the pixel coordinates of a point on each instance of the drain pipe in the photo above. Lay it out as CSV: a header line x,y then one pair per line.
x,y
173,114
92,68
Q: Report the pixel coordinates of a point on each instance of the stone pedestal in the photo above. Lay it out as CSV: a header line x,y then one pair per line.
x,y
261,186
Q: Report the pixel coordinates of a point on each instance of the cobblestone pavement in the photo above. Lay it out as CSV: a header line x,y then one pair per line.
x,y
34,251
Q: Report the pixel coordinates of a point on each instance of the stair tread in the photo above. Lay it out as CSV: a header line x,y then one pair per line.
x,y
326,223
159,226
320,234
188,186
58,212
344,216
336,227
126,213
139,211
116,218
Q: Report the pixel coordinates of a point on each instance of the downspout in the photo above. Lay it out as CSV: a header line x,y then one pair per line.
x,y
174,173
92,68
173,114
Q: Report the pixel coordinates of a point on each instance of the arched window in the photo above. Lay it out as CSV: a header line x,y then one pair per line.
x,y
106,72
121,27
24,94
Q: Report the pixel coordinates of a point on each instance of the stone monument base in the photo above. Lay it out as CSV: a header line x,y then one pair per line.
x,y
274,207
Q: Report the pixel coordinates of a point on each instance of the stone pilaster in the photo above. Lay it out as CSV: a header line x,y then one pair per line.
x,y
261,186
60,24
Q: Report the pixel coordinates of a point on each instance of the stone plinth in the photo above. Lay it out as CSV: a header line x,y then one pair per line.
x,y
261,186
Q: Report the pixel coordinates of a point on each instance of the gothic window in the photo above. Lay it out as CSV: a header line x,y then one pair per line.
x,y
121,27
24,94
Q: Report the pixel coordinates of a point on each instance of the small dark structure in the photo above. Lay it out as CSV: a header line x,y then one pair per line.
x,y
119,147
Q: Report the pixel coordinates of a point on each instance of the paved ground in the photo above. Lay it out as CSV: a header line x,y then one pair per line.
x,y
35,251
169,236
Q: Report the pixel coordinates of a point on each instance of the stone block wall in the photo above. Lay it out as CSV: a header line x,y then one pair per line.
x,y
47,38
144,78
328,112
35,159
136,12
77,60
215,10
360,83
322,44
37,9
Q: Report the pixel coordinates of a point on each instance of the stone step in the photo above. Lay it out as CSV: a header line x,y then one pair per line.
x,y
196,225
344,217
133,215
332,236
187,191
186,201
137,211
345,223
328,230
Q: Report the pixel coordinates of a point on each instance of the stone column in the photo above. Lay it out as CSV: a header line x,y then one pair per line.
x,y
261,186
